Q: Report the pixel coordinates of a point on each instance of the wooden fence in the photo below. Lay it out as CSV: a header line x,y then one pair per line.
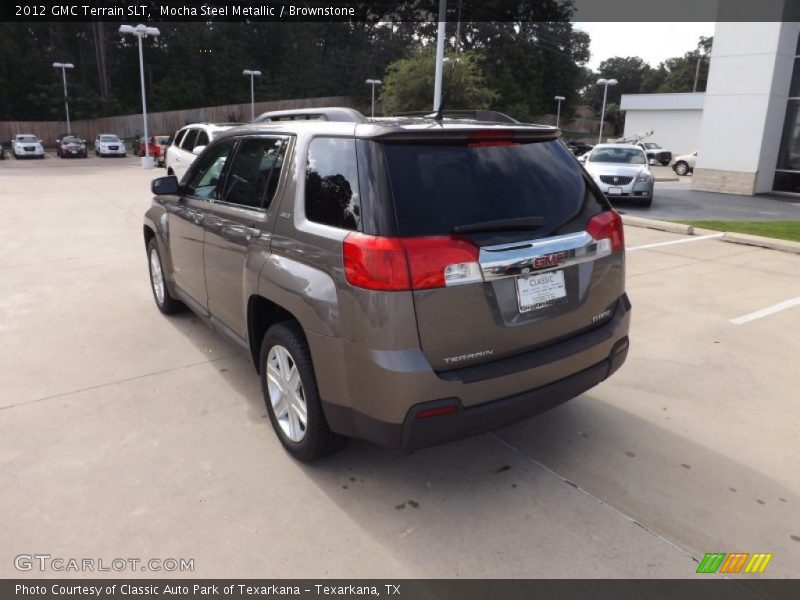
x,y
159,123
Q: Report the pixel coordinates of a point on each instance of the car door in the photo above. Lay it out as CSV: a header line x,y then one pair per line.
x,y
184,156
238,226
185,222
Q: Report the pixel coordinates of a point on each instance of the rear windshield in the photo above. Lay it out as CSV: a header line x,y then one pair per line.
x,y
437,187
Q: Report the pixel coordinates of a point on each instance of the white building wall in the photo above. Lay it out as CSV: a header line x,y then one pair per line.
x,y
745,104
675,130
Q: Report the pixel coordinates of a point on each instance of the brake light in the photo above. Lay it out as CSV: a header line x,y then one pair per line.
x,y
607,226
391,263
491,143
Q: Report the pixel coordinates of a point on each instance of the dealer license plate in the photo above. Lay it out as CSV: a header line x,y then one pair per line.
x,y
540,291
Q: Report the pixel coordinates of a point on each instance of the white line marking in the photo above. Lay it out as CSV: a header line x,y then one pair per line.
x,y
694,238
770,310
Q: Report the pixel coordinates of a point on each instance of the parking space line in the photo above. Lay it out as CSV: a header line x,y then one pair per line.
x,y
765,312
694,238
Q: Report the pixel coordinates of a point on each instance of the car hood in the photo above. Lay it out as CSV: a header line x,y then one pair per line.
x,y
615,169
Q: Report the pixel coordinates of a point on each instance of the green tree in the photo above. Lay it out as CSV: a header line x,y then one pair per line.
x,y
408,85
630,73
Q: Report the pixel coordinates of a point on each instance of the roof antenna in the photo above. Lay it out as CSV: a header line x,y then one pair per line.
x,y
439,114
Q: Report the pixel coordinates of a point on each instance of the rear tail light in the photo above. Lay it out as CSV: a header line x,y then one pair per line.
x,y
390,263
606,229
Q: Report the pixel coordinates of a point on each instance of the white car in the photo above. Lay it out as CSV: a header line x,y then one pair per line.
x,y
108,144
621,171
188,142
27,144
684,164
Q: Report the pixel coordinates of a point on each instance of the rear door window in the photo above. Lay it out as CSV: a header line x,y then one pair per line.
x,y
202,139
437,187
332,194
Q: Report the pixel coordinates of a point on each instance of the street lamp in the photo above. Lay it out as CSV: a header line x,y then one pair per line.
x,y
251,75
64,67
373,83
141,31
605,83
558,99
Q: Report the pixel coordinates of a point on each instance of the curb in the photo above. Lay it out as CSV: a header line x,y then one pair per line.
x,y
659,225
763,242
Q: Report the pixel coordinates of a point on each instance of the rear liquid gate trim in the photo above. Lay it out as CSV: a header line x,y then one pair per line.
x,y
538,256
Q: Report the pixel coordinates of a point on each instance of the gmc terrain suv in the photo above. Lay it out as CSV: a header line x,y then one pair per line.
x,y
406,281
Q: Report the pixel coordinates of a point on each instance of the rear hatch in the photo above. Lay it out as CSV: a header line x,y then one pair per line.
x,y
532,253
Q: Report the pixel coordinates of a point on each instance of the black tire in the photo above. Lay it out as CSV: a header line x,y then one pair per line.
x,y
648,202
167,305
318,440
681,168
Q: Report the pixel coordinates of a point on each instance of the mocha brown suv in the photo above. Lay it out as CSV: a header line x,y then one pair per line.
x,y
405,281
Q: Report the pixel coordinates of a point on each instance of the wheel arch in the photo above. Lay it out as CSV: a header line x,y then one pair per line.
x,y
262,314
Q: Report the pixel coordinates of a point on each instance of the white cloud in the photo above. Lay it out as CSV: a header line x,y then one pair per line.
x,y
653,42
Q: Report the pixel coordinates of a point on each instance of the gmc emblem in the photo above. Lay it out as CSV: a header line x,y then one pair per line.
x,y
550,260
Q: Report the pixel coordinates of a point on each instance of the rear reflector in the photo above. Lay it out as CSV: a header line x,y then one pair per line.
x,y
390,263
606,229
439,411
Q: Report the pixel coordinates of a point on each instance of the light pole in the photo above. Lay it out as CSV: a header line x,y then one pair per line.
x,y
64,67
558,99
605,83
141,31
373,83
252,74
437,82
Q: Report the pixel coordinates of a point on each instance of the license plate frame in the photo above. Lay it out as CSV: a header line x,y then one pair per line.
x,y
615,191
545,289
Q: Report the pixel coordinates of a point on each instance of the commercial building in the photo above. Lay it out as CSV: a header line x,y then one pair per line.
x,y
746,127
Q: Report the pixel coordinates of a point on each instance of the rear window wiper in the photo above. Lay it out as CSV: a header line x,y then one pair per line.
x,y
501,225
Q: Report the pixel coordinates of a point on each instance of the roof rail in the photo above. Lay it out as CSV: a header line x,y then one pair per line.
x,y
491,116
328,113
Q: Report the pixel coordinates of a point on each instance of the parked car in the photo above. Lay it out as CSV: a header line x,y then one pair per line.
x,y
108,144
188,142
579,148
393,281
684,164
621,171
27,145
71,146
655,153
156,146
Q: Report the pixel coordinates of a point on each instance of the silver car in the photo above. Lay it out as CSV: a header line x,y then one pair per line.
x,y
621,171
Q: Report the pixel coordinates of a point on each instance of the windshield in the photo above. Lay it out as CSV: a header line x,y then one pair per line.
x,y
438,187
651,146
70,139
109,138
27,139
629,156
162,139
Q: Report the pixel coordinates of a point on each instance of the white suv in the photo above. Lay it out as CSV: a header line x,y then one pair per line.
x,y
27,144
188,143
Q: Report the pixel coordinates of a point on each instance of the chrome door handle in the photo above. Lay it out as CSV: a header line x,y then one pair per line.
x,y
251,232
198,218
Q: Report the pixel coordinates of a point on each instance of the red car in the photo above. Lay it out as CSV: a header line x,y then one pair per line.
x,y
157,146
71,145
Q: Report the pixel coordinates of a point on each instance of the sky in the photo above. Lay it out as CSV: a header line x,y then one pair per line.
x,y
653,42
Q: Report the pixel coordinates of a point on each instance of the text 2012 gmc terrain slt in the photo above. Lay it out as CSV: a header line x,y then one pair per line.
x,y
406,281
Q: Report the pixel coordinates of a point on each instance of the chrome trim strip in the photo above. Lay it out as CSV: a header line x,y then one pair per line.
x,y
512,260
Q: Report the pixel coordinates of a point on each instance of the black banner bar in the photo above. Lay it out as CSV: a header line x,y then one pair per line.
x,y
417,589
395,11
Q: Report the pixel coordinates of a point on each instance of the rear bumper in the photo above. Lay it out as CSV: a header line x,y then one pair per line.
x,y
415,432
608,344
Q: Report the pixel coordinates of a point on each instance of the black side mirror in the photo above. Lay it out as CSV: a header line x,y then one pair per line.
x,y
165,185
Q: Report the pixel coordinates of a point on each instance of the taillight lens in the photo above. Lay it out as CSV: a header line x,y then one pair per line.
x,y
390,263
606,229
